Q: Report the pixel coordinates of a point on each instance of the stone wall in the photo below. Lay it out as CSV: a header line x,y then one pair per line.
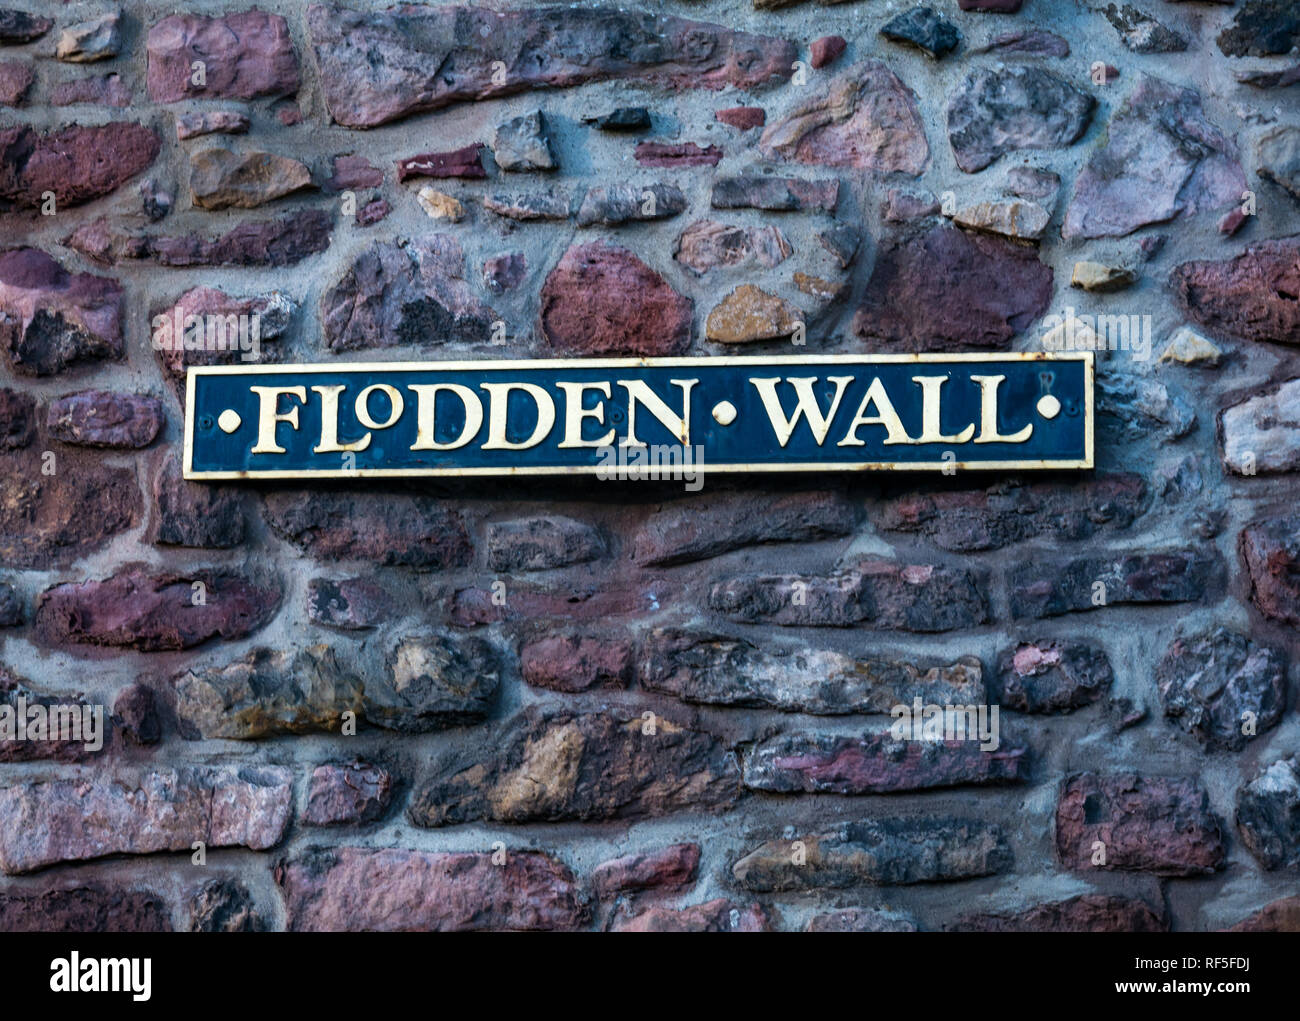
x,y
572,704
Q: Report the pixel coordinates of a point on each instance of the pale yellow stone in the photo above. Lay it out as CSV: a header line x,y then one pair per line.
x,y
1013,218
1072,334
1097,276
748,314
1188,347
440,206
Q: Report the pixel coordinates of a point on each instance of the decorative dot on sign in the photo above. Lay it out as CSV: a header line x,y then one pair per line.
x,y
229,420
1049,406
724,413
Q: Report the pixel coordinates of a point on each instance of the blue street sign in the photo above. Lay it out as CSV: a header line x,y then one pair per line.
x,y
593,416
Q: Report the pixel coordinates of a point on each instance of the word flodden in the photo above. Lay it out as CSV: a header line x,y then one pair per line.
x,y
751,414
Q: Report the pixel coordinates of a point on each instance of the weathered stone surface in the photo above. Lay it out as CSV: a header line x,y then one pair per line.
x,y
135,715
49,520
861,920
143,812
714,669
549,205
1141,33
379,528
347,795
1162,159
439,205
1051,677
971,521
15,79
521,144
38,737
267,692
992,113
883,594
1147,824
947,290
411,292
902,206
1280,916
372,212
84,909
826,50
201,320
18,27
601,299
1249,296
719,915
153,612
282,242
625,118
1134,408
566,766
1090,913
1053,587
1262,28
191,514
1187,347
88,41
221,179
245,55
93,90
212,122
708,244
672,868
583,597
885,851
51,319
104,418
224,906
1279,159
1270,79
1270,550
876,764
1262,432
750,314
1268,815
776,194
710,526
1012,218
352,604
348,889
864,118
503,273
1222,688
574,662
1100,278
742,118
671,154
13,608
1028,43
433,681
613,204
923,28
538,544
376,67
466,163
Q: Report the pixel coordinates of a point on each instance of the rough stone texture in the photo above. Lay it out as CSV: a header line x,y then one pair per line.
x,y
536,544
271,243
946,290
352,604
1262,28
1052,677
153,612
1280,916
717,670
1222,688
1089,913
77,163
378,67
1090,582
84,909
861,920
224,906
621,203
1270,552
719,915
866,118
405,293
584,766
221,179
165,810
884,851
99,418
347,795
1268,815
394,890
190,514
414,531
601,299
672,868
246,55
996,112
923,28
1163,159
1250,296
776,194
575,662
875,764
1146,824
